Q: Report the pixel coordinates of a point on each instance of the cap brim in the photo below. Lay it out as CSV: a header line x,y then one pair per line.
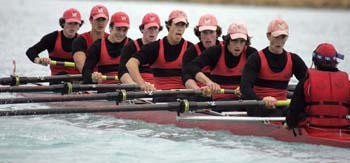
x,y
73,21
146,26
121,25
180,19
100,16
340,56
203,28
278,33
238,35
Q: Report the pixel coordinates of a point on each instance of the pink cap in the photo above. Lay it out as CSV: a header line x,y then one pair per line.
x,y
178,16
207,22
238,30
278,27
99,11
326,51
151,20
72,15
120,19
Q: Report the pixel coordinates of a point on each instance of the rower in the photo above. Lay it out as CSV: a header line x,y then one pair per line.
x,y
98,19
58,43
164,56
267,73
105,53
225,60
322,98
207,32
150,28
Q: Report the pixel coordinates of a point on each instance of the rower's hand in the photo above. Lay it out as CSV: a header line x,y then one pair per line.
x,y
238,92
42,61
270,102
211,88
147,87
96,77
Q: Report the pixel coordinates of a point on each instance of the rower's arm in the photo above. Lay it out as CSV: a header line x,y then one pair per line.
x,y
133,67
126,79
79,60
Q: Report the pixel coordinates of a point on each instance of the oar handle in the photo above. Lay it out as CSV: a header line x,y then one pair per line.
x,y
62,63
104,77
229,91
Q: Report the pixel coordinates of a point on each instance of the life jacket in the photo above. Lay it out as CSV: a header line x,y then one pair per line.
x,y
59,54
145,69
88,38
111,62
267,74
167,75
327,97
228,78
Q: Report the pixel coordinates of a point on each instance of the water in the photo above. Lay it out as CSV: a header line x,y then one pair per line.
x,y
96,138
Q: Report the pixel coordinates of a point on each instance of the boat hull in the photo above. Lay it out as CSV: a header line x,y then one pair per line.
x,y
266,129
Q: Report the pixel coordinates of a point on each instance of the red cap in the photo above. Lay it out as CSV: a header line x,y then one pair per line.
x,y
178,16
207,22
238,30
151,20
326,51
99,11
278,27
120,19
72,15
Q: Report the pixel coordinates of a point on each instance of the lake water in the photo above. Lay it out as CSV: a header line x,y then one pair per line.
x,y
96,138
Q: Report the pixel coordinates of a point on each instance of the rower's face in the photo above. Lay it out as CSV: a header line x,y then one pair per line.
x,y
277,43
99,24
176,30
150,34
208,38
118,34
70,29
236,46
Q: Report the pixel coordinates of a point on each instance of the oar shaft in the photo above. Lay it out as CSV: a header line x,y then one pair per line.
x,y
67,88
117,108
17,80
117,96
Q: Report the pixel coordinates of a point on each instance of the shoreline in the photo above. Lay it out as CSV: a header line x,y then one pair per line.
x,y
331,4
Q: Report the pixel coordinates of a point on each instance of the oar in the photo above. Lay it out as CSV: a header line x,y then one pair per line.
x,y
67,88
118,96
62,63
17,80
181,106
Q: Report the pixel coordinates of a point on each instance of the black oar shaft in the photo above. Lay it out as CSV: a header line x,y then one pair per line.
x,y
17,80
119,108
65,88
117,96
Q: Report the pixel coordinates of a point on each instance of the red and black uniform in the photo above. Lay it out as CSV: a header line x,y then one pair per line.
x,y
83,42
106,56
167,74
226,68
127,52
275,79
165,61
268,74
59,48
190,54
322,99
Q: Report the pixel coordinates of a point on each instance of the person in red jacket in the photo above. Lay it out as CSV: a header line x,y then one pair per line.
x,y
58,43
267,73
225,60
208,31
164,56
322,98
99,17
150,28
105,53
